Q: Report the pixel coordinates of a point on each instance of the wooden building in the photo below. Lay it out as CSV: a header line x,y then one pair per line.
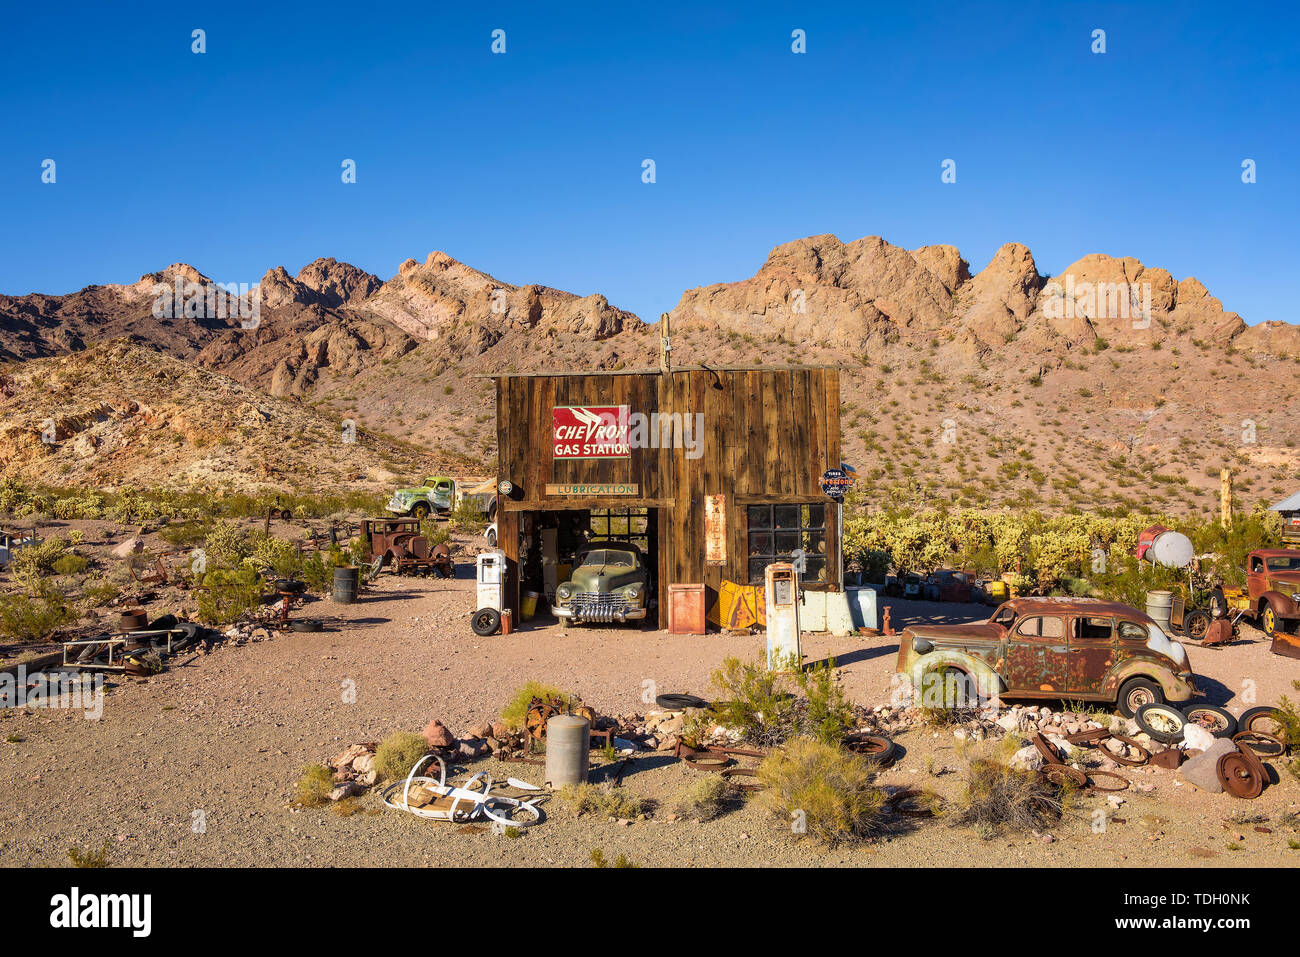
x,y
714,472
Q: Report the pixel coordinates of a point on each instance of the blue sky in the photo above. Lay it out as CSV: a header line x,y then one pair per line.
x,y
528,165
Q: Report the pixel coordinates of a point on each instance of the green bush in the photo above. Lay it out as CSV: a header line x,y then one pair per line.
x,y
71,564
823,791
706,797
314,787
603,799
228,594
226,545
34,618
398,753
516,709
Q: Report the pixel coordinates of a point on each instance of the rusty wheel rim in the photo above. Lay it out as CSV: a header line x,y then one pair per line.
x,y
1266,723
1094,776
1061,774
1240,775
1262,743
1211,721
1125,760
1091,738
1047,750
909,803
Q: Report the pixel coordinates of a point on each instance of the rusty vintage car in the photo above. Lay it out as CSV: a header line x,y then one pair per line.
x,y
396,543
1077,648
1272,597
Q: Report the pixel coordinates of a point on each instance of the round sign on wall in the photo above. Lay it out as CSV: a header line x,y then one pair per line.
x,y
837,482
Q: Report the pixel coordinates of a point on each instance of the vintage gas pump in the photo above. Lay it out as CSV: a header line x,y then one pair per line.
x,y
781,588
491,592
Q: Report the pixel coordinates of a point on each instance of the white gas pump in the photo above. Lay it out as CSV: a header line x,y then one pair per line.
x,y
781,589
491,576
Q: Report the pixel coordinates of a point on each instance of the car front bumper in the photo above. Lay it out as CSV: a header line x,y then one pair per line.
x,y
598,612
397,506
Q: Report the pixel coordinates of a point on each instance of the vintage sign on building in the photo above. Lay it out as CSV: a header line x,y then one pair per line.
x,y
715,529
595,490
590,431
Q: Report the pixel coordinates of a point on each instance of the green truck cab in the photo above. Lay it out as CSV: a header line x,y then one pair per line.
x,y
436,495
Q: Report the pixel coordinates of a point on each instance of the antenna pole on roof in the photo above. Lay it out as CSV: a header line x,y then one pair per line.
x,y
665,344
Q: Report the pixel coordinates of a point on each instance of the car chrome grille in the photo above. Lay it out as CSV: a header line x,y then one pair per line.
x,y
593,606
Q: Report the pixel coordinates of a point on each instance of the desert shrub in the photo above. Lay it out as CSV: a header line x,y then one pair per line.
x,y
227,594
598,860
435,531
226,544
516,709
828,715
752,700
314,786
604,800
79,506
999,798
83,858
822,790
706,797
34,618
31,563
768,707
467,516
185,534
71,564
398,753
278,553
101,593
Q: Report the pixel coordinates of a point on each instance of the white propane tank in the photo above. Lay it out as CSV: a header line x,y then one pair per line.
x,y
568,748
1171,549
491,580
781,589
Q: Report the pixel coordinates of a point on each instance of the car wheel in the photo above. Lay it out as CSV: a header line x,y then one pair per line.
x,y
1264,719
1137,692
1268,621
1164,723
1218,722
420,511
1196,624
486,621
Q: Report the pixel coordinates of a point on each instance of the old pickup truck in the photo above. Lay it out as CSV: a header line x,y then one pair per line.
x,y
1272,596
439,495
1076,648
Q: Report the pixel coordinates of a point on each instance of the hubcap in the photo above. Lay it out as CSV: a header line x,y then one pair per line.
x,y
1269,620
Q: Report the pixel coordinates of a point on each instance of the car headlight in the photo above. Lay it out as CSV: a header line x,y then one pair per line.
x,y
1295,596
634,592
564,592
921,646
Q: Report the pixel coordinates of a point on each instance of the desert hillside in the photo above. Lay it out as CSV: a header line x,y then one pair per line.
x,y
1110,385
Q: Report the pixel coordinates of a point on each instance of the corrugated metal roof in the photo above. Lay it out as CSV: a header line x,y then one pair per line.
x,y
1291,504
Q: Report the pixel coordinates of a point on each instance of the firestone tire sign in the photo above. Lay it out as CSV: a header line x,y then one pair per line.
x,y
590,431
836,483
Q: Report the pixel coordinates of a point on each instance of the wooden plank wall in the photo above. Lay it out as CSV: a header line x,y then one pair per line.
x,y
768,435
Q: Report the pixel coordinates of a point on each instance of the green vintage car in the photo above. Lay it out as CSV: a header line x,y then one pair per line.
x,y
437,494
610,582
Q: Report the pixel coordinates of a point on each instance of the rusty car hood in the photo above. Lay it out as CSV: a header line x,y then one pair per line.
x,y
975,631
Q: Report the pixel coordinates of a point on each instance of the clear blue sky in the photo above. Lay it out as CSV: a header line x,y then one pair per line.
x,y
528,165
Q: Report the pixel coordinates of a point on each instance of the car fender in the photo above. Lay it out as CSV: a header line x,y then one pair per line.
x,y
1284,606
987,681
1142,666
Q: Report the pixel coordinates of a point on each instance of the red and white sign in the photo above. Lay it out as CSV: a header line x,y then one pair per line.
x,y
590,431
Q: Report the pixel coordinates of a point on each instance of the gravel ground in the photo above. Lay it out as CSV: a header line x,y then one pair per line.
x,y
224,737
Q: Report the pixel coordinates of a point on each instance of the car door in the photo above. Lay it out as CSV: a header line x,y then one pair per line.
x,y
1256,576
1037,656
1092,653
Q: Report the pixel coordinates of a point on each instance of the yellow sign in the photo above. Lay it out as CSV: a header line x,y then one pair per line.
x,y
608,488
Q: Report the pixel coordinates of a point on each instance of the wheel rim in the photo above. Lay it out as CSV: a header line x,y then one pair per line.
x,y
1198,627
1162,721
1139,697
1209,720
1269,621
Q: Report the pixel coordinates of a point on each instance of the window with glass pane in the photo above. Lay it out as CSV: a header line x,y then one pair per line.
x,y
777,531
625,524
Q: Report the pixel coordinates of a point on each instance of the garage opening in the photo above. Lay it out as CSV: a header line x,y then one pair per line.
x,y
554,543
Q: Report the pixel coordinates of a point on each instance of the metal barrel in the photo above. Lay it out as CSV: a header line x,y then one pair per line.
x,y
1158,607
568,747
347,583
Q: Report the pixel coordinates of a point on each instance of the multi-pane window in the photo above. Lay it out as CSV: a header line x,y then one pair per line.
x,y
776,531
625,524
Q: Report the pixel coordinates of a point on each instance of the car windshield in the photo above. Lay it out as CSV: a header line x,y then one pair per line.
x,y
609,556
1290,563
1004,616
